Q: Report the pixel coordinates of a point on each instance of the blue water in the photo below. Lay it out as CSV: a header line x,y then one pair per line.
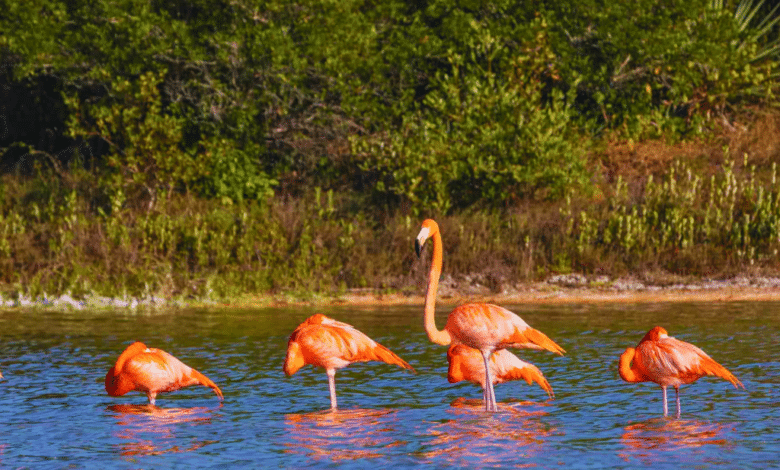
x,y
54,412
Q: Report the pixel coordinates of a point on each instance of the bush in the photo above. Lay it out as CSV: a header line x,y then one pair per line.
x,y
484,137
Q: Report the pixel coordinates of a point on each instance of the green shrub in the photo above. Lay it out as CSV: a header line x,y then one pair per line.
x,y
482,137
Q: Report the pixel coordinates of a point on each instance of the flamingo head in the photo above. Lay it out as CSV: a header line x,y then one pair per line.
x,y
656,334
429,229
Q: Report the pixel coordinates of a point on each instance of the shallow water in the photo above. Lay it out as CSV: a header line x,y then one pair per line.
x,y
55,412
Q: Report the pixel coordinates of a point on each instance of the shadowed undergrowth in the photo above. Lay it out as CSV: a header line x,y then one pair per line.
x,y
705,212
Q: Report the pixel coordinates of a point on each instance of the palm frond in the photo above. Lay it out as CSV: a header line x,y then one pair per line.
x,y
768,22
745,13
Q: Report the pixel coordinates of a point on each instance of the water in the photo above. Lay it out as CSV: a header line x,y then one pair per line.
x,y
55,413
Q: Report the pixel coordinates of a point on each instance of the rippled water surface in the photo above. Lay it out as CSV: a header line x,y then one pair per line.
x,y
54,411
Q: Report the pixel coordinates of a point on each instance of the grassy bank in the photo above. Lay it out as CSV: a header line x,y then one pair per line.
x,y
211,150
661,212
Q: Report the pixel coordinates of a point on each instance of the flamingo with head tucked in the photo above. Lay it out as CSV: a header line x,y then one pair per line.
x,y
667,361
466,364
330,344
152,371
485,327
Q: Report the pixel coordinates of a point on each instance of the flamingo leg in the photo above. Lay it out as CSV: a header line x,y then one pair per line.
x,y
332,386
677,392
151,396
490,394
666,409
493,403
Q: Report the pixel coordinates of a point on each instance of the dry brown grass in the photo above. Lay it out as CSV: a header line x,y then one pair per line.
x,y
634,162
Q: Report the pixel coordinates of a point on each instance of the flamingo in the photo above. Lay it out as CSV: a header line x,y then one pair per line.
x,y
482,326
152,371
466,364
666,361
324,342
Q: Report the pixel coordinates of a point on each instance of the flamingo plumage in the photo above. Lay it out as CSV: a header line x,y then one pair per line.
x,y
152,371
667,361
324,342
482,326
466,364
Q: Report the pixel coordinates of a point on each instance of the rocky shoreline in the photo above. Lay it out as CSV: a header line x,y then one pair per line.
x,y
558,289
575,288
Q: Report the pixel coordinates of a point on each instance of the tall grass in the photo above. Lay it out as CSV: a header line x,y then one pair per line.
x,y
60,236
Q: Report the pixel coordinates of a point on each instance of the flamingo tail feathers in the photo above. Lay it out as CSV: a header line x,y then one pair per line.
x,y
383,354
710,367
530,337
205,381
530,375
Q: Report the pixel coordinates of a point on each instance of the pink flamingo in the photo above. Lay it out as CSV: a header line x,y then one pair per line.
x,y
666,361
330,344
485,327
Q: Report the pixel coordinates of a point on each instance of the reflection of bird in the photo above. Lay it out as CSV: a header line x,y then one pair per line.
x,y
344,436
466,364
152,371
668,361
484,327
498,442
644,440
330,344
149,430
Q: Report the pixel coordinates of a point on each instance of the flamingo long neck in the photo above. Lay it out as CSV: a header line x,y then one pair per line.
x,y
435,335
625,369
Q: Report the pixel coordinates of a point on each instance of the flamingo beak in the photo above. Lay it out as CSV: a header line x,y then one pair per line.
x,y
420,241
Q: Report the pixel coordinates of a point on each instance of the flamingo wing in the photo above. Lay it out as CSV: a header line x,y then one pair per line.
x,y
157,371
508,367
670,361
487,326
466,363
333,345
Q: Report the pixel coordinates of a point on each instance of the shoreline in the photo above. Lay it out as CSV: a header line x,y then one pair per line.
x,y
545,293
570,289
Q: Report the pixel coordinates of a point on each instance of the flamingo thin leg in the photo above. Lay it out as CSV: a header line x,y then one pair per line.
x,y
666,409
493,403
332,386
490,394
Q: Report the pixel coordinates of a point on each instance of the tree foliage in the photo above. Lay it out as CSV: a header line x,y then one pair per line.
x,y
447,104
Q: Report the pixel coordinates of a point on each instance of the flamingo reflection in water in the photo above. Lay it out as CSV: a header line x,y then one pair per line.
x,y
344,435
501,439
149,430
648,439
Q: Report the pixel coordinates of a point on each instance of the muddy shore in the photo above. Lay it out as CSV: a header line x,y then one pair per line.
x,y
564,289
570,289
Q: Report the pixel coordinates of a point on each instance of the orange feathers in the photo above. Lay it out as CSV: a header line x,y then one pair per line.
x,y
152,371
330,344
667,361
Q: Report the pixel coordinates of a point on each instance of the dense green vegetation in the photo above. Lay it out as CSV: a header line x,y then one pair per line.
x,y
213,148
